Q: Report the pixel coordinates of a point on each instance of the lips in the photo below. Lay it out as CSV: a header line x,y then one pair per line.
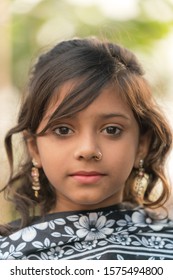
x,y
85,177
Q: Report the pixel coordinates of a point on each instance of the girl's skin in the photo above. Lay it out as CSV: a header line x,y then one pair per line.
x,y
107,126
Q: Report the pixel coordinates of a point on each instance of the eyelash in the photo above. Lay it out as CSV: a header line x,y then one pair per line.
x,y
117,131
114,129
62,127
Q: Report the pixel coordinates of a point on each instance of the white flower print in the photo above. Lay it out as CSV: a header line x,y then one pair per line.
x,y
52,224
125,222
156,242
93,227
43,245
6,256
142,219
55,253
29,233
89,245
123,239
92,235
13,252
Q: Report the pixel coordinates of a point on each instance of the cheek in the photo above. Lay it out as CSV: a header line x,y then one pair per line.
x,y
121,156
121,164
52,156
53,166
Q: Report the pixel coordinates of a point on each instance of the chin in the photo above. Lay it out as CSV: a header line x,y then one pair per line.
x,y
91,203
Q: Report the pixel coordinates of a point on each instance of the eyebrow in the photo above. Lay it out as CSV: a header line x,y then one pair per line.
x,y
102,116
113,115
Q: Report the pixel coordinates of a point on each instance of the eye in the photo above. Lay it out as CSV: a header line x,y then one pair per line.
x,y
63,131
112,130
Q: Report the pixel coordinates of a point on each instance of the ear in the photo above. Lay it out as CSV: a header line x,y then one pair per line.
x,y
32,147
143,148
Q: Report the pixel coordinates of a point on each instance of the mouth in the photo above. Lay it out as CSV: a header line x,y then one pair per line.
x,y
87,177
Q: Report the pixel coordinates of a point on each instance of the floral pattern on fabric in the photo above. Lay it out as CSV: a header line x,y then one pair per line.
x,y
109,233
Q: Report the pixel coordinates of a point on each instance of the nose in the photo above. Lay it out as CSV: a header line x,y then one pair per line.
x,y
87,148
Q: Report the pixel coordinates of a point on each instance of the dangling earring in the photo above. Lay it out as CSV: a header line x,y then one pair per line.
x,y
140,183
35,178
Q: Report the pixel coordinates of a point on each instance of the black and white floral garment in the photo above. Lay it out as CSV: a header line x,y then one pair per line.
x,y
107,233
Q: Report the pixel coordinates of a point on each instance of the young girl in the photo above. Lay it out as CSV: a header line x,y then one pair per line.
x,y
97,144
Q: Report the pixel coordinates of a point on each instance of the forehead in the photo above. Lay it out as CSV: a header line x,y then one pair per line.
x,y
108,100
59,95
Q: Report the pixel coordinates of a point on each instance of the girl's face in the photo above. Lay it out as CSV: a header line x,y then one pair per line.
x,y
66,153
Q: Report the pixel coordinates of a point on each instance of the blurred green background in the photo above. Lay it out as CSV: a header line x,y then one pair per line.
x,y
28,27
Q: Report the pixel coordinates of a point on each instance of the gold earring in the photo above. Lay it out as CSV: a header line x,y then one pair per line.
x,y
140,183
35,178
